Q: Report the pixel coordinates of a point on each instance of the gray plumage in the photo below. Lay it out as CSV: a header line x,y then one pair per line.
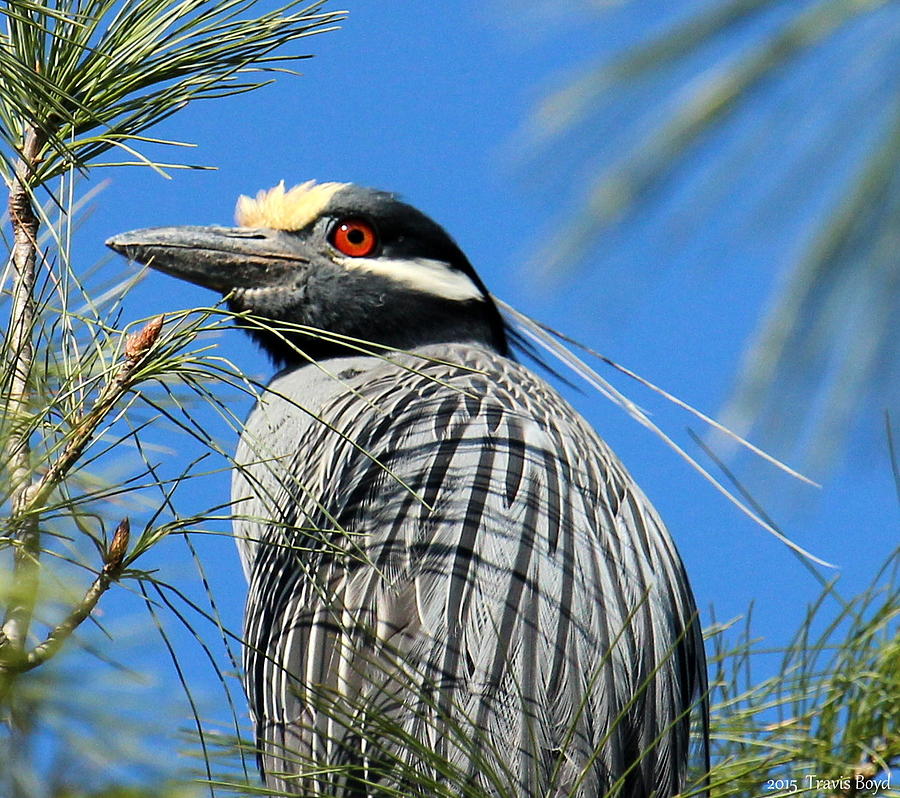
x,y
501,555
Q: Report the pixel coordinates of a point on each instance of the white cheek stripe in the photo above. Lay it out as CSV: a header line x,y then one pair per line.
x,y
421,274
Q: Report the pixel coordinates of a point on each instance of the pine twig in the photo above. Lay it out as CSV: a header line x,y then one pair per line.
x,y
112,569
136,346
21,353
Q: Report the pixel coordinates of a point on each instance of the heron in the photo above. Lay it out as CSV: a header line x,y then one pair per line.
x,y
455,586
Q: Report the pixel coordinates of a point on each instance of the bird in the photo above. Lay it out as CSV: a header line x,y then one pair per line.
x,y
455,586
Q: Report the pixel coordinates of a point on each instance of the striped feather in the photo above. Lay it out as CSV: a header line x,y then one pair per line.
x,y
484,562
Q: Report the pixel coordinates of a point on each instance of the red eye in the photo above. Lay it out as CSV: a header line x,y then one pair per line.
x,y
354,237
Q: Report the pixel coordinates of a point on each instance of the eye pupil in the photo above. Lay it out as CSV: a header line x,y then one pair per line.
x,y
355,235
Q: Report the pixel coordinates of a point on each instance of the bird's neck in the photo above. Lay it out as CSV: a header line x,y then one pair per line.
x,y
416,326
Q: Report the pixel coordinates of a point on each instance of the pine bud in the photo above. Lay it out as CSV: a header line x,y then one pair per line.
x,y
119,546
138,343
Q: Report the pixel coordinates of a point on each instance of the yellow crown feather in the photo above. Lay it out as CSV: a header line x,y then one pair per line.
x,y
280,209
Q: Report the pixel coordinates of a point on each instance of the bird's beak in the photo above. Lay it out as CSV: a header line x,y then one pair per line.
x,y
221,258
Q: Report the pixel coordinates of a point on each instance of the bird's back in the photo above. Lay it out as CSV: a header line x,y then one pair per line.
x,y
445,560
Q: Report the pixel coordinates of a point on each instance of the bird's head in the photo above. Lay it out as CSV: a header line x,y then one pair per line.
x,y
334,256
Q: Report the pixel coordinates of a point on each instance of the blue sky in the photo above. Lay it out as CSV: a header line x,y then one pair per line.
x,y
429,100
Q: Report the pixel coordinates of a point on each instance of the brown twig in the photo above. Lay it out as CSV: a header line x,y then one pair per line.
x,y
111,571
136,347
25,225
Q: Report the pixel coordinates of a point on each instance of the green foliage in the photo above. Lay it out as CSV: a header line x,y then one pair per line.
x,y
89,75
829,711
82,397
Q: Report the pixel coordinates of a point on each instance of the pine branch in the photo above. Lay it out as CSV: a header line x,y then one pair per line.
x,y
112,569
29,503
21,359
